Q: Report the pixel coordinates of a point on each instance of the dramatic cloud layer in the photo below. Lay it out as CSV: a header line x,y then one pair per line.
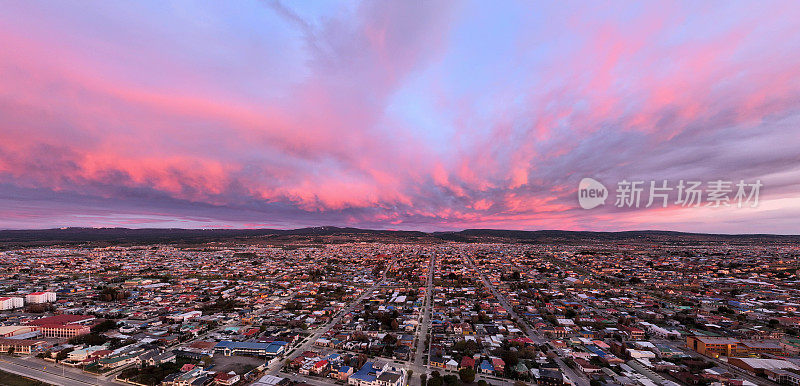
x,y
410,115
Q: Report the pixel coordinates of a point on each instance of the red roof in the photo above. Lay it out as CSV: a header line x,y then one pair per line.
x,y
224,376
63,326
497,362
61,320
320,364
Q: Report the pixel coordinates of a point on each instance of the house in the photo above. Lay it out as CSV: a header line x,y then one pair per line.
x,y
486,367
634,333
467,363
550,378
375,374
499,365
388,378
81,354
112,362
437,361
451,365
401,352
227,379
164,357
343,373
320,367
585,366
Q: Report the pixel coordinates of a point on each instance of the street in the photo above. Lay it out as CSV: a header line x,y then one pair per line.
x,y
569,373
51,373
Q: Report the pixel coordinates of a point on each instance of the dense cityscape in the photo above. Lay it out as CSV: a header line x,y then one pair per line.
x,y
399,193
367,310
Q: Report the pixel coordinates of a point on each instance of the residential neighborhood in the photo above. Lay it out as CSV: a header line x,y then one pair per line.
x,y
404,313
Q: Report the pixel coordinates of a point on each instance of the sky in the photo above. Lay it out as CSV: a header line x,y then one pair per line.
x,y
426,115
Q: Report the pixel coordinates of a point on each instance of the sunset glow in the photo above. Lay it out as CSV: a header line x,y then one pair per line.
x,y
429,115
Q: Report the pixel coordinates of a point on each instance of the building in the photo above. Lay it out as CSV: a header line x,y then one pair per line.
x,y
437,361
713,346
10,303
22,346
343,373
227,379
499,365
730,347
41,297
388,378
759,347
783,377
760,366
9,331
585,366
467,362
271,380
186,316
486,367
550,378
375,374
63,326
114,361
229,348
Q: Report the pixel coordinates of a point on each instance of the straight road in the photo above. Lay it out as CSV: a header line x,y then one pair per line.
x,y
50,373
422,330
275,367
569,373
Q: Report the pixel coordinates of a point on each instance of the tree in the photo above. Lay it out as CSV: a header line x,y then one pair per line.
x,y
390,339
104,326
467,375
436,379
423,379
450,380
773,323
510,358
63,354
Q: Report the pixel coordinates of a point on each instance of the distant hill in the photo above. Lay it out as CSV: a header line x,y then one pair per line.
x,y
173,235
551,236
322,234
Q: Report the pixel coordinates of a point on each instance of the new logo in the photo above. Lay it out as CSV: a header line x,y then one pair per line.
x,y
591,193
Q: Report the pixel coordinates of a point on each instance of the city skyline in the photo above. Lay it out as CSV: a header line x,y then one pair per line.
x,y
395,115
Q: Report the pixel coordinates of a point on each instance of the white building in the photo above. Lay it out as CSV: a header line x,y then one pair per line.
x,y
186,316
41,297
10,303
660,332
